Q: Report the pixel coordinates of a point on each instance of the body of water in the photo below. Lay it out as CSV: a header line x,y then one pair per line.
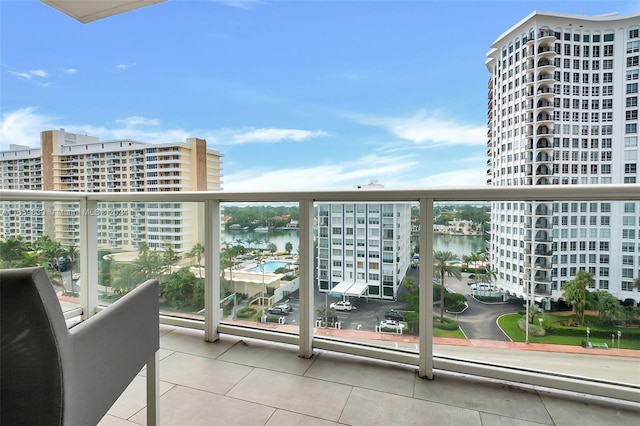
x,y
269,266
460,245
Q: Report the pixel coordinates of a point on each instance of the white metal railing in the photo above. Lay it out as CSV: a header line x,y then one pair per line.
x,y
306,341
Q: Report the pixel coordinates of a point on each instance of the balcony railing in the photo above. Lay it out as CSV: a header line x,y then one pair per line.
x,y
422,350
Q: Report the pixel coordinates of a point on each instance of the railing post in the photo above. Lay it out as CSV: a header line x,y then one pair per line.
x,y
425,279
212,314
89,263
305,349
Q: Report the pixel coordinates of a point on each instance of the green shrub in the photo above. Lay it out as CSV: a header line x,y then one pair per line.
x,y
246,312
534,330
447,324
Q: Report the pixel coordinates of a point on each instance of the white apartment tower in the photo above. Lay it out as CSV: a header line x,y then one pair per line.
x,y
364,243
71,162
563,109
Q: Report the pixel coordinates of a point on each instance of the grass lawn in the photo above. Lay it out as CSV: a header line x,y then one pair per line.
x,y
509,324
438,332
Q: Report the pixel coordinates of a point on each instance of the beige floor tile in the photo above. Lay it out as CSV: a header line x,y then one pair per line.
x,y
370,374
134,398
371,408
183,406
115,421
287,418
496,420
289,392
271,356
192,341
485,396
569,412
201,372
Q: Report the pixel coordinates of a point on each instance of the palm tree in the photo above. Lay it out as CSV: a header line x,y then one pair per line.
x,y
488,276
576,293
128,276
51,251
196,252
442,262
636,284
170,257
72,253
12,249
466,260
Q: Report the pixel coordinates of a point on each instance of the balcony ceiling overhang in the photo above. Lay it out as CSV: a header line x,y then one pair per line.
x,y
87,11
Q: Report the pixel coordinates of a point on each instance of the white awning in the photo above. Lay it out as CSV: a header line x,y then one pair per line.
x,y
349,288
341,288
357,289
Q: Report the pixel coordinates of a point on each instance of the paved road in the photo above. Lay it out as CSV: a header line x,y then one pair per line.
x,y
479,320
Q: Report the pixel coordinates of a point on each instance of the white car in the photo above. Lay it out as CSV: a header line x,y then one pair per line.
x,y
341,306
392,325
483,287
75,276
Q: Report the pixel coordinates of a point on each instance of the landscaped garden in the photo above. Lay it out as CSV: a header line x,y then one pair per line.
x,y
564,330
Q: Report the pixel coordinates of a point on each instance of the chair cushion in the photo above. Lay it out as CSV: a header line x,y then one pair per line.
x,y
30,373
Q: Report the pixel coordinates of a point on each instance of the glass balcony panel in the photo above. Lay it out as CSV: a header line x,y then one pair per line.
x,y
156,240
361,294
25,243
259,251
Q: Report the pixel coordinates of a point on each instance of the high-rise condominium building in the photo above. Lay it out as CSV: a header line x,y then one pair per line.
x,y
364,243
70,162
563,109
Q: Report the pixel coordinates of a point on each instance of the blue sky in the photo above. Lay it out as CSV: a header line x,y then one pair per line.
x,y
294,94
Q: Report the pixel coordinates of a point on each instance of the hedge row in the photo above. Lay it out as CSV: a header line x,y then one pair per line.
x,y
448,324
594,332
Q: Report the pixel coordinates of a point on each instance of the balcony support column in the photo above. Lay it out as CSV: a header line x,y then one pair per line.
x,y
212,311
89,264
425,281
305,349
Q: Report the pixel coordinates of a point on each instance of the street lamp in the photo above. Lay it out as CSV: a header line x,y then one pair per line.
x,y
261,262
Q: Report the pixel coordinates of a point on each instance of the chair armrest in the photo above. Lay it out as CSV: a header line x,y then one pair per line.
x,y
108,350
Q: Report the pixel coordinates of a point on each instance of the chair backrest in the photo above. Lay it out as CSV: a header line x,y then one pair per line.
x,y
32,328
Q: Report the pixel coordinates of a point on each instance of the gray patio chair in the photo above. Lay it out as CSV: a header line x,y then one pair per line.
x,y
52,375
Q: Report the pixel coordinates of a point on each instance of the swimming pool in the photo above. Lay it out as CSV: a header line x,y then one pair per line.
x,y
269,266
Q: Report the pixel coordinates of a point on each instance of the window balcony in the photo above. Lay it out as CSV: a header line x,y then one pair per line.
x,y
206,339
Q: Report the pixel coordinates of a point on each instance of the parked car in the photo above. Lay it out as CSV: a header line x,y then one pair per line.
x,y
483,287
341,306
75,276
284,306
277,310
392,325
394,315
472,276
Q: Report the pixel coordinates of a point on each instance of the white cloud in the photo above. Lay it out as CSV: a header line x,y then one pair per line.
x,y
122,67
342,175
267,135
39,73
71,71
461,177
24,75
23,127
240,4
137,120
425,127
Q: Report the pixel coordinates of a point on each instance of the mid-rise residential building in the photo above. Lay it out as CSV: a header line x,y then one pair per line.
x,y
563,109
364,243
71,162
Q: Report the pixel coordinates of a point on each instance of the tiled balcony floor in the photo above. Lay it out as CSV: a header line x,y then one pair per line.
x,y
238,381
